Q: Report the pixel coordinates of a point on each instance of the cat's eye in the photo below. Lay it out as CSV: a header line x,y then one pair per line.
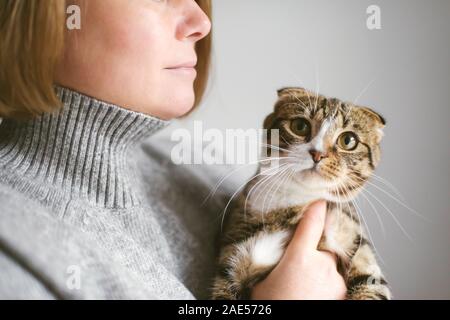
x,y
348,141
301,127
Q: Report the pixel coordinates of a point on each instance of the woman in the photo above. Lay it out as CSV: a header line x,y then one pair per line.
x,y
87,209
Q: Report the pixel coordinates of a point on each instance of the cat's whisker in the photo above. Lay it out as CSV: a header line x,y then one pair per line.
x,y
267,190
374,208
392,214
359,225
363,91
389,185
285,140
383,181
288,180
302,84
247,197
377,215
361,218
255,186
317,85
392,197
226,176
280,181
355,101
339,207
239,189
383,230
265,194
300,101
339,202
380,257
276,147
341,187
336,112
269,186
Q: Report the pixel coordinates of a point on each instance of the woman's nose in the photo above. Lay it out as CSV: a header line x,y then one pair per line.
x,y
196,25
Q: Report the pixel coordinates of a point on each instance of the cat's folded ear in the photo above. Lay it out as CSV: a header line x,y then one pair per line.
x,y
269,121
375,116
378,119
289,91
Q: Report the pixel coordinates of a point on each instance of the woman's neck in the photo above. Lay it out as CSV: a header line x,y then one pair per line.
x,y
84,149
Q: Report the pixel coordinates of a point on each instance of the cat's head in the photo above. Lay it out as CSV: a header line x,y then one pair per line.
x,y
335,145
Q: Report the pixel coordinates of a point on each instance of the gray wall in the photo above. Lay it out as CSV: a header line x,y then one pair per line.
x,y
263,45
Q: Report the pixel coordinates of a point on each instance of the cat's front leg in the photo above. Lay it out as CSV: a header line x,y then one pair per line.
x,y
356,259
233,284
364,278
242,265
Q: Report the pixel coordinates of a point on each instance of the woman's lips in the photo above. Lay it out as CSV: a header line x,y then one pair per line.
x,y
185,71
186,64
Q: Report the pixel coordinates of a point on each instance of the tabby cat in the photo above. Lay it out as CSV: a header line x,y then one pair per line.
x,y
327,150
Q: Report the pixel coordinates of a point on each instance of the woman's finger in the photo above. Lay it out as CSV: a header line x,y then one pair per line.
x,y
330,254
310,228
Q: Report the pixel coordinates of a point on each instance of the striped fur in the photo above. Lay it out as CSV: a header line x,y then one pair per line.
x,y
257,230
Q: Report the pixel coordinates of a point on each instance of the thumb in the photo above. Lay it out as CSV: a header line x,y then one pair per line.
x,y
310,228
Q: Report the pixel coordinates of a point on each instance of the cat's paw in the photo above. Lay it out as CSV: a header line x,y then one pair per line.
x,y
369,292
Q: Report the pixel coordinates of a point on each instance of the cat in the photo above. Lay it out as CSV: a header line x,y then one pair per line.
x,y
327,150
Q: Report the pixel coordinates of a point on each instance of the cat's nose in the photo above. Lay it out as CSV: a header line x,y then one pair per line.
x,y
317,155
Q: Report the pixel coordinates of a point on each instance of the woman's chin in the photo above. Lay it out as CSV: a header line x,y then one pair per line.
x,y
179,105
172,112
171,105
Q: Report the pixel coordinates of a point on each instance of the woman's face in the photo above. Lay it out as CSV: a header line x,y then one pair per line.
x,y
138,54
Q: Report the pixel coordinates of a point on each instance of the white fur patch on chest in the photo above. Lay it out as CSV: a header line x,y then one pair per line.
x,y
268,248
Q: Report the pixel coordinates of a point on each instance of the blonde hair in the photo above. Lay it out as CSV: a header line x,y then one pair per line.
x,y
31,44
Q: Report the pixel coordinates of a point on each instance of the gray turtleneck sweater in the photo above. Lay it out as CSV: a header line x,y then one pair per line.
x,y
91,208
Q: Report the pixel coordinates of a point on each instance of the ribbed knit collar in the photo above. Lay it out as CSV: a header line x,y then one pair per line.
x,y
84,149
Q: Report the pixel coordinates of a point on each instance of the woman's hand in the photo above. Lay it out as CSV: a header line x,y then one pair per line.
x,y
304,272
